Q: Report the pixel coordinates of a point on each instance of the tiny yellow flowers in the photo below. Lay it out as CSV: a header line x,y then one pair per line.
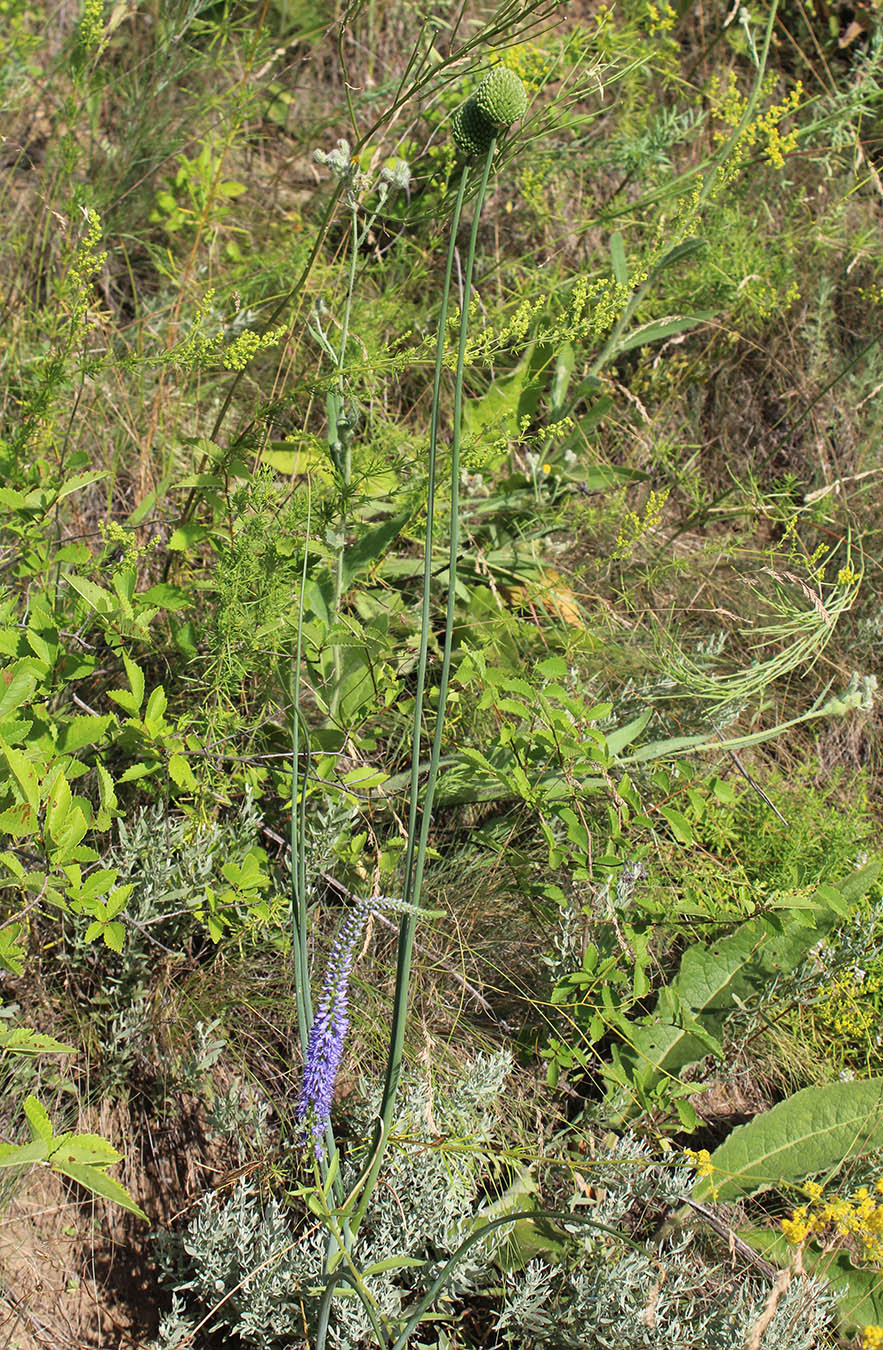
x,y
701,1160
859,1219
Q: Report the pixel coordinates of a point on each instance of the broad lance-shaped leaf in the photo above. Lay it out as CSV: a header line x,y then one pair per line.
x,y
690,1012
812,1132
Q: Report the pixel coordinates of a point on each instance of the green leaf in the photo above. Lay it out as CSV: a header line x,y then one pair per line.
x,y
660,329
23,772
12,956
186,536
136,771
181,773
58,807
26,1041
617,256
98,599
706,988
19,1155
18,820
80,481
17,684
373,545
96,1180
84,1148
114,936
678,824
393,1263
106,795
130,699
82,731
618,740
167,596
156,706
814,1131
860,882
38,1119
135,677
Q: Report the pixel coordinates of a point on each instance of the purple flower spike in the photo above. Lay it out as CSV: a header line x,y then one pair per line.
x,y
330,1024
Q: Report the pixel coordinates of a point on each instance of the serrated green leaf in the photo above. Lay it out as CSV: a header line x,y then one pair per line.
x,y
26,1041
23,772
95,596
135,677
37,1118
88,1149
181,773
114,935
96,1180
82,731
58,807
136,771
19,1155
106,794
17,683
156,706
18,820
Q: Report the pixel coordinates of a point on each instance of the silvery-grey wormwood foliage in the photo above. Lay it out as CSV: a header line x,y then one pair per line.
x,y
601,1293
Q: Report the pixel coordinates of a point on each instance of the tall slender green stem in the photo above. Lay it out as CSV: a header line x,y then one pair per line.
x,y
298,824
415,856
341,448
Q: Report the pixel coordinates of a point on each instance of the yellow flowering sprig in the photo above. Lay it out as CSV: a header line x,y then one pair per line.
x,y
859,1219
701,1160
634,527
764,131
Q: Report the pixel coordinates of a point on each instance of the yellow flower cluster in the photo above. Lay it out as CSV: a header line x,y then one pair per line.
x,y
661,18
872,1338
632,529
764,130
530,62
860,1218
701,1160
248,344
847,1004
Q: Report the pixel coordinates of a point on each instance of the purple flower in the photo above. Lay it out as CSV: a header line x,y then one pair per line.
x,y
330,1024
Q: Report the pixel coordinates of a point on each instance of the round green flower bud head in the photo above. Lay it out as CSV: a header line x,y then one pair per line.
x,y
502,97
471,130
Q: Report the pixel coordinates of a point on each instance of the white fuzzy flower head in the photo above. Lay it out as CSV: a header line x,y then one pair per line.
x,y
339,160
397,175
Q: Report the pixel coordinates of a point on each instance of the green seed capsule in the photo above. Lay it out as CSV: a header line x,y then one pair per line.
x,y
471,130
502,97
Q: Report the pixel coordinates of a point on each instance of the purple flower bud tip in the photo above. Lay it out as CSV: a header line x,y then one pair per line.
x,y
330,1024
